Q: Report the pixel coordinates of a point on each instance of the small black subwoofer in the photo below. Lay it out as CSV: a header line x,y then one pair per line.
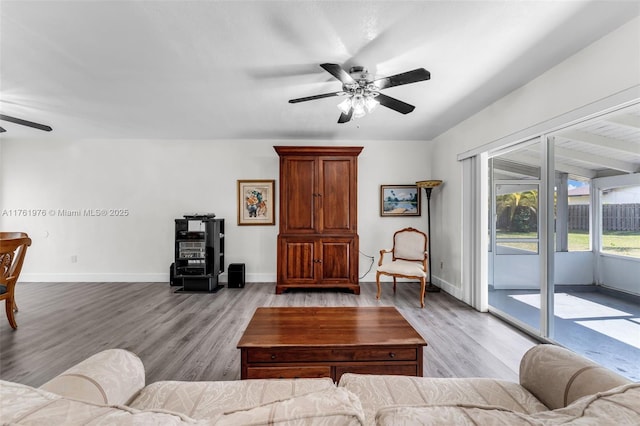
x,y
236,275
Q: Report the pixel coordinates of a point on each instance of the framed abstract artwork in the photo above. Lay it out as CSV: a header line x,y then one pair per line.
x,y
400,200
256,202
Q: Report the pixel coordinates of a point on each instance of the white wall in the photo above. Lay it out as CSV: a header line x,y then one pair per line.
x,y
608,66
158,181
522,271
619,273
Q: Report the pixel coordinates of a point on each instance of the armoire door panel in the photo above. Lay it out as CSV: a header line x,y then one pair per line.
x,y
336,214
298,204
300,260
336,260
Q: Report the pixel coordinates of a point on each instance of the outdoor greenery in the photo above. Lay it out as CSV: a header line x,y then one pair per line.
x,y
621,242
615,242
517,211
517,218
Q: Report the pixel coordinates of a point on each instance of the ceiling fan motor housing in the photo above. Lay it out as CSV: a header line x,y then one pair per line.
x,y
359,73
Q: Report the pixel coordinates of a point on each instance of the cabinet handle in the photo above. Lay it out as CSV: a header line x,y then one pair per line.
x,y
392,355
273,356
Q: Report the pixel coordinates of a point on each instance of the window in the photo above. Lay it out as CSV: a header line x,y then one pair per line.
x,y
578,215
620,212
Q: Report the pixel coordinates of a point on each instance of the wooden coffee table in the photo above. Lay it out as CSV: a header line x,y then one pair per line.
x,y
293,342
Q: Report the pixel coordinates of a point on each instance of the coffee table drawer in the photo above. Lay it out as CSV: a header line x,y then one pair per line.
x,y
335,355
387,369
292,372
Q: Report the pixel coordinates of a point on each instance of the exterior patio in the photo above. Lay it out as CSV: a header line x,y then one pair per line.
x,y
601,324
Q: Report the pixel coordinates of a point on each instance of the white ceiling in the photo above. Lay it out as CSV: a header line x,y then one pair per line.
x,y
225,69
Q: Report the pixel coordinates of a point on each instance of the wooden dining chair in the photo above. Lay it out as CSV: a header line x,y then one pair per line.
x,y
13,247
408,259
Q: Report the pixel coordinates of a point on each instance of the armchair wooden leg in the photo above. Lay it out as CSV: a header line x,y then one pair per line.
x,y
394,285
8,304
422,288
378,282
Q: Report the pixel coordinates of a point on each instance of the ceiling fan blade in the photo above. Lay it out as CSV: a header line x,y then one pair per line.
x,y
2,130
414,76
310,98
346,117
25,123
337,71
394,104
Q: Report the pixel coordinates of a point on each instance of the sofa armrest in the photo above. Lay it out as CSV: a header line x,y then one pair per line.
x,y
557,376
113,376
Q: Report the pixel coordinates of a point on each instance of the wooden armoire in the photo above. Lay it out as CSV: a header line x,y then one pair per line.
x,y
318,238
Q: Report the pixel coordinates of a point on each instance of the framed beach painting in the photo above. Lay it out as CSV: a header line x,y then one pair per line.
x,y
256,202
400,200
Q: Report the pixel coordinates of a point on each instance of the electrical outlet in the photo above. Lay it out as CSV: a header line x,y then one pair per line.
x,y
74,259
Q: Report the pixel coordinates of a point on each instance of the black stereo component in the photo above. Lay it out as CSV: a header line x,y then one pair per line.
x,y
236,275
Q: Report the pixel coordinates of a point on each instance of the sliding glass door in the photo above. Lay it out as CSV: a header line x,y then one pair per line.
x,y
514,258
552,235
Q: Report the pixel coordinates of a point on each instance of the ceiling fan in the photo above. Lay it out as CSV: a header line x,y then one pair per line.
x,y
24,123
363,92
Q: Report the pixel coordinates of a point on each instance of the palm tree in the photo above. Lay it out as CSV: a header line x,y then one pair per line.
x,y
515,201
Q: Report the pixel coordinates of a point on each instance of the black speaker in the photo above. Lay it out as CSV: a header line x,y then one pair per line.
x,y
236,275
172,277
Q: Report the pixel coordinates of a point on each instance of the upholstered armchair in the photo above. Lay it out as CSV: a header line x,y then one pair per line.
x,y
408,259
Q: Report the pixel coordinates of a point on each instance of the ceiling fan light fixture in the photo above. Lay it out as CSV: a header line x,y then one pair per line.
x,y
358,103
370,103
345,105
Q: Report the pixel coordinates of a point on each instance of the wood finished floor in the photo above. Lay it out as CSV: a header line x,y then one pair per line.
x,y
182,336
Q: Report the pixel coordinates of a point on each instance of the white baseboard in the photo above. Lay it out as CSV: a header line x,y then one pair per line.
x,y
124,277
252,278
95,277
453,290
445,286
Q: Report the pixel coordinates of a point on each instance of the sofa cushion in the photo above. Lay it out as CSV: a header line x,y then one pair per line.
x,y
451,415
620,407
377,391
24,405
112,376
208,399
332,406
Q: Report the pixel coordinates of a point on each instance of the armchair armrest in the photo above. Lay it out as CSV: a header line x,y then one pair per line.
x,y
557,376
382,252
113,376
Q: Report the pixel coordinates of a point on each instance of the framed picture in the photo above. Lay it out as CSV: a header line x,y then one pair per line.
x,y
256,202
400,200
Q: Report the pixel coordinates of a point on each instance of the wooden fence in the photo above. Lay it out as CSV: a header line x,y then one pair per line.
x,y
615,217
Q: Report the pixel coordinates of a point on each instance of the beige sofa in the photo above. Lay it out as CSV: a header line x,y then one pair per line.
x,y
556,387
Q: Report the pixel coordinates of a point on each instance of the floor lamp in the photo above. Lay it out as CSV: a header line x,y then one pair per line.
x,y
428,185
